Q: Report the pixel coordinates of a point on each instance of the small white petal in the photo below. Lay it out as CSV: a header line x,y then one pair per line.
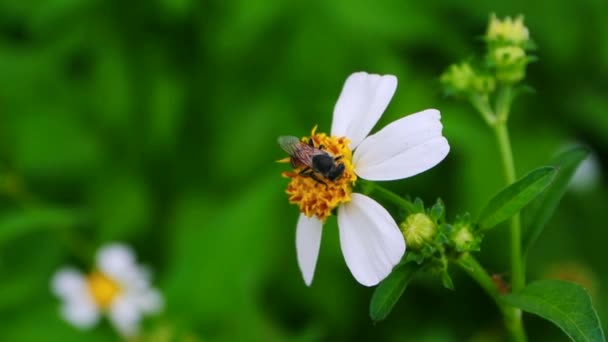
x,y
402,149
308,241
125,316
149,301
117,261
372,244
67,282
80,311
362,101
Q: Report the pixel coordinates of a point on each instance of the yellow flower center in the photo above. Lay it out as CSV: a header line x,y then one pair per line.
x,y
103,288
312,196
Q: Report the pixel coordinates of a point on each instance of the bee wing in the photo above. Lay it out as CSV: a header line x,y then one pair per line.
x,y
289,144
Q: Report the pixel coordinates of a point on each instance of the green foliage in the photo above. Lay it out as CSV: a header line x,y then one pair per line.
x,y
516,196
17,223
564,303
538,213
390,290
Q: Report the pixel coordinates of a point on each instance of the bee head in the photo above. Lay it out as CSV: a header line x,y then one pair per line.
x,y
336,172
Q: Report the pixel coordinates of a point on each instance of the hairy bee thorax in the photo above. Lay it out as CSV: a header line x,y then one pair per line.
x,y
319,196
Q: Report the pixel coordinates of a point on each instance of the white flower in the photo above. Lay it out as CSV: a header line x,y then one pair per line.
x,y
118,287
371,241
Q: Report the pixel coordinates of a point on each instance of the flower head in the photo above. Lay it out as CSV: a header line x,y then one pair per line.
x,y
418,230
508,30
371,241
117,287
319,199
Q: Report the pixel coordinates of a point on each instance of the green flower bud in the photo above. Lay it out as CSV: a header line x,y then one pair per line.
x,y
484,84
510,63
508,30
507,56
458,77
463,79
464,239
418,230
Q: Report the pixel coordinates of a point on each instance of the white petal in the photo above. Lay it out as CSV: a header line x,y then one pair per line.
x,y
149,301
67,282
125,316
372,244
402,149
117,261
362,101
80,311
308,241
78,306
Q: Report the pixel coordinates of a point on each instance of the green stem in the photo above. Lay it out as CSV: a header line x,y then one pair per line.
x,y
503,103
512,317
517,270
371,187
497,119
481,103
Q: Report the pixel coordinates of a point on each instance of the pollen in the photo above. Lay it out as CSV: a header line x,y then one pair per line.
x,y
102,288
312,196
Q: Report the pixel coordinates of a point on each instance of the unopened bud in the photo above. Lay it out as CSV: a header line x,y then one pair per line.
x,y
508,30
418,230
458,78
463,238
510,63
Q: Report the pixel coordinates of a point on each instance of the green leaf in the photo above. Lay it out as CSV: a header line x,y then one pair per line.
x,y
390,290
564,303
18,223
538,213
513,198
446,281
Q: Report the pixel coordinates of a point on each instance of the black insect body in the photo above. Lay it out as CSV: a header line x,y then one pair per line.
x,y
314,160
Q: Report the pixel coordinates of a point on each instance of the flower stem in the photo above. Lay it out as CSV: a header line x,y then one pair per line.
x,y
480,102
371,187
497,119
518,277
512,317
503,103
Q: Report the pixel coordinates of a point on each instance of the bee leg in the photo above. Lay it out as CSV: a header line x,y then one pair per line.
x,y
338,158
311,143
308,172
314,177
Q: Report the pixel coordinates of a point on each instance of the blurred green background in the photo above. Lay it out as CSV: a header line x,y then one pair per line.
x,y
155,123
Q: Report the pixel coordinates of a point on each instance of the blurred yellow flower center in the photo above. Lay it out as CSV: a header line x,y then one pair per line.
x,y
103,288
314,197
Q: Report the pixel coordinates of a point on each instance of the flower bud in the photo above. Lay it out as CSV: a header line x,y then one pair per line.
x,y
458,77
418,229
463,79
484,84
463,238
510,63
507,56
508,30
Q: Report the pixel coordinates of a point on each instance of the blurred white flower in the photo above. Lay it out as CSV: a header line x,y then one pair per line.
x,y
117,287
587,175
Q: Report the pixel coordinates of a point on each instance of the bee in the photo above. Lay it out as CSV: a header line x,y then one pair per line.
x,y
314,159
